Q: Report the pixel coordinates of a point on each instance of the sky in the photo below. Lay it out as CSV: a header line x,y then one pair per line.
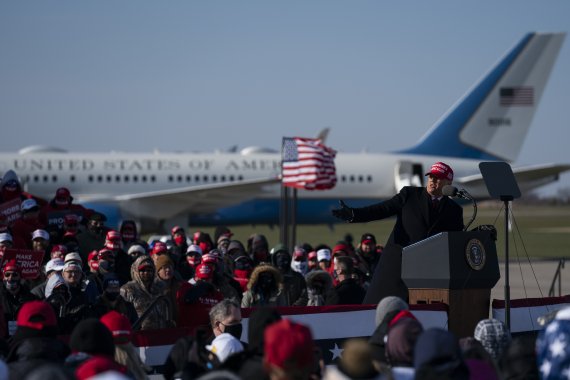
x,y
198,76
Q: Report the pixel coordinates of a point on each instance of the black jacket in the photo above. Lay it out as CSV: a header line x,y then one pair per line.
x,y
415,221
347,292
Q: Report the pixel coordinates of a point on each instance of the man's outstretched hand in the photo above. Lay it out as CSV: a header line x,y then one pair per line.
x,y
344,212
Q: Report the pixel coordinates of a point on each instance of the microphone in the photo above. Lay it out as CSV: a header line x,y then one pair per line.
x,y
452,191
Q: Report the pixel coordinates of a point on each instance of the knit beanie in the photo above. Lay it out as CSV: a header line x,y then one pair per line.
x,y
92,337
388,304
163,261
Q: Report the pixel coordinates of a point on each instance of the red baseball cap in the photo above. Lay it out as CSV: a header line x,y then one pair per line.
x,y
441,170
288,345
36,315
119,325
204,271
159,248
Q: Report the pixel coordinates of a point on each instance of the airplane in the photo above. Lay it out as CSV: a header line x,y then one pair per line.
x,y
489,123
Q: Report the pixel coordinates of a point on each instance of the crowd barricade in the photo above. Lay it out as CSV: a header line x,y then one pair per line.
x,y
525,312
330,325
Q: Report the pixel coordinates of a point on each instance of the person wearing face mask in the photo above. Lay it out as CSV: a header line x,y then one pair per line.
x,y
258,249
121,258
225,317
129,235
93,237
111,299
319,287
61,204
193,258
300,263
265,288
195,300
142,291
178,250
243,267
13,294
294,282
10,189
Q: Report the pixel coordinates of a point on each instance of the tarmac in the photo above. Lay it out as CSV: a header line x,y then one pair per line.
x,y
531,279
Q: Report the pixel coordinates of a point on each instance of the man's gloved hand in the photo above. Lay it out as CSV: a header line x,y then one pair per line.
x,y
344,212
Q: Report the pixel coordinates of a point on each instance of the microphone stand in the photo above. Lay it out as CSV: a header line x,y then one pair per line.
x,y
474,209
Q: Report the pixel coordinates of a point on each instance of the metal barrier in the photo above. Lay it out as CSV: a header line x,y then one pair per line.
x,y
557,276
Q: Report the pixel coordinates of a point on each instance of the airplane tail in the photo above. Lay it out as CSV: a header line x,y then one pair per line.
x,y
491,120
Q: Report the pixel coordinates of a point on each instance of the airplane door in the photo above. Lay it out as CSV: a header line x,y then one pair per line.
x,y
408,173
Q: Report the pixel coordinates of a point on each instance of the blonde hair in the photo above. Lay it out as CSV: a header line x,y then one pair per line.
x,y
127,355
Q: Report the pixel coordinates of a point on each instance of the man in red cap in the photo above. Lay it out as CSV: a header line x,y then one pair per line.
x,y
13,294
420,212
61,204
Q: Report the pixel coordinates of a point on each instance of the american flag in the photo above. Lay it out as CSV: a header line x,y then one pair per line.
x,y
307,164
516,96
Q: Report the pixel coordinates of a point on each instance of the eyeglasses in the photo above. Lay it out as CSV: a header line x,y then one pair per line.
x,y
11,274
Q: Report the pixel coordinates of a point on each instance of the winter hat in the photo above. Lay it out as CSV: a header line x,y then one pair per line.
x,y
388,304
163,261
289,345
98,365
159,248
110,279
92,337
437,348
259,319
356,360
324,254
119,325
36,315
225,345
136,248
493,335
400,342
279,248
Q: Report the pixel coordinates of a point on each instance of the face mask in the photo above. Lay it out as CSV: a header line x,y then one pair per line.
x,y
94,264
112,296
11,284
242,273
282,262
128,236
234,330
266,282
105,266
260,256
299,266
179,240
313,264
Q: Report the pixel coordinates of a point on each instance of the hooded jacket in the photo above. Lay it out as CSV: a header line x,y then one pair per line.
x,y
142,297
318,294
253,296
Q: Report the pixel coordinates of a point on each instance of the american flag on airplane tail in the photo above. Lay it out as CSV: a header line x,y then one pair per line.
x,y
516,96
307,164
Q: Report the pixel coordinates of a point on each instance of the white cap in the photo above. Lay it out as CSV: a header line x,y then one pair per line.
x,y
224,345
194,248
5,237
73,256
28,204
54,264
324,254
136,248
40,234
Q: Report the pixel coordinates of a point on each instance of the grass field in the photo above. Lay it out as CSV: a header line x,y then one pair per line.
x,y
538,231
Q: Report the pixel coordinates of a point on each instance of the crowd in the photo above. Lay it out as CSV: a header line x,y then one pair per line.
x,y
97,285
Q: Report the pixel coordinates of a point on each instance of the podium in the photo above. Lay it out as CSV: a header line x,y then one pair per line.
x,y
456,268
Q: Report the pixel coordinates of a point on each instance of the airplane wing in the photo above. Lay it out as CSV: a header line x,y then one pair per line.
x,y
165,204
528,178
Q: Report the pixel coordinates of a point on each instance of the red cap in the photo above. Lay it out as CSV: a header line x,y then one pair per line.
x,y
209,259
205,246
113,236
93,255
312,255
441,171
11,266
105,254
119,325
145,264
159,248
96,365
288,345
341,247
175,229
204,271
36,315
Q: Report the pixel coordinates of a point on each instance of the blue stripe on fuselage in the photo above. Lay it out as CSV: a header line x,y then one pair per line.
x,y
444,139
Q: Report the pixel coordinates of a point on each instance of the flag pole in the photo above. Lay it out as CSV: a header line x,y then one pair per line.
x,y
293,220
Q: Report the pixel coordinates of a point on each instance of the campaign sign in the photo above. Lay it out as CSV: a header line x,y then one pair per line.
x,y
29,262
11,210
58,217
